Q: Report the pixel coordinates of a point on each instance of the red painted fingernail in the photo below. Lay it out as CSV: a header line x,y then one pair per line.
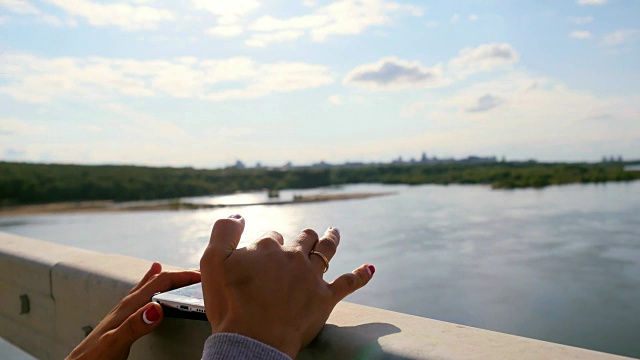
x,y
150,315
371,270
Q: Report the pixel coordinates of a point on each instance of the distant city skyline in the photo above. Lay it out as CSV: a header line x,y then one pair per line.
x,y
206,83
423,159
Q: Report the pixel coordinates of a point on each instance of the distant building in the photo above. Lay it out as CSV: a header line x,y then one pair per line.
x,y
238,165
479,159
398,160
321,164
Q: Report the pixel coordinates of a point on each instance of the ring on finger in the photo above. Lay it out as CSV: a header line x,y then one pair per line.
x,y
324,258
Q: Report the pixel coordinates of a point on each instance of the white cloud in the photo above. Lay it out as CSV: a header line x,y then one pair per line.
x,y
19,6
269,23
394,73
592,2
51,20
484,57
580,20
15,127
621,37
351,17
227,8
125,16
225,30
335,100
455,18
34,79
262,40
24,7
227,11
473,17
580,34
340,17
278,78
485,103
309,3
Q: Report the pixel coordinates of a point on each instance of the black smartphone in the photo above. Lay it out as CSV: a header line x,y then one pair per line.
x,y
185,302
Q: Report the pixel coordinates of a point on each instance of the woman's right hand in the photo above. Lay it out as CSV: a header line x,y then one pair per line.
x,y
271,292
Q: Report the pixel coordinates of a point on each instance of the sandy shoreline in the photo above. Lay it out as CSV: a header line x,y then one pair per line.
x,y
111,206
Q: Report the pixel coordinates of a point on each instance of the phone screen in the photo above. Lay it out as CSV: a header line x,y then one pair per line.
x,y
192,291
184,302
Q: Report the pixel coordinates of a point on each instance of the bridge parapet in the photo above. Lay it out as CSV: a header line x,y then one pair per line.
x,y
51,295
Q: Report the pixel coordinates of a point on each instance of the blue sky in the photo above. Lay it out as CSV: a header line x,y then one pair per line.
x,y
204,83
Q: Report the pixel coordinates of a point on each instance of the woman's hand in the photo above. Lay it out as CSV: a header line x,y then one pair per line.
x,y
133,317
271,292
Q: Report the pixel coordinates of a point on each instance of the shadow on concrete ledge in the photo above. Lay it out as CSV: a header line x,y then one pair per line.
x,y
351,342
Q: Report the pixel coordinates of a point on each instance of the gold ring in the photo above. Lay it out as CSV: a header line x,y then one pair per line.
x,y
324,258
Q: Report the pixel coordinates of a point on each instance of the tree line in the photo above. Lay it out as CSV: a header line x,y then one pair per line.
x,y
29,183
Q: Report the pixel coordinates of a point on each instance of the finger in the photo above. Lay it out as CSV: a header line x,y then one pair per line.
x,y
134,327
327,246
348,283
225,237
306,240
156,268
272,236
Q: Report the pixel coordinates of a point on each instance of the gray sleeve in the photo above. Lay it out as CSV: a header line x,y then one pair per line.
x,y
236,347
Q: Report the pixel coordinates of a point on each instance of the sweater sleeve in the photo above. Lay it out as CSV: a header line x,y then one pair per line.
x,y
235,347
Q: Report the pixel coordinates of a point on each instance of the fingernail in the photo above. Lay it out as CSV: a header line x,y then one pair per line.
x,y
335,229
235,216
370,269
150,315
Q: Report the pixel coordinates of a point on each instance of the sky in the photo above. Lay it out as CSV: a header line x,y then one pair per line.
x,y
204,83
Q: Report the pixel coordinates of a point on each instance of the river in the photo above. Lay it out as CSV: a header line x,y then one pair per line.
x,y
560,264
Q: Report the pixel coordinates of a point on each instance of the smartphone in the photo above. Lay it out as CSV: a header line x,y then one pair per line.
x,y
185,302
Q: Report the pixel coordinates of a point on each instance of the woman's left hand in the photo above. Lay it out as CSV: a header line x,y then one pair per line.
x,y
133,317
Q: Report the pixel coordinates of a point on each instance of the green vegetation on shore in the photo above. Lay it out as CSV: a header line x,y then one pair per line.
x,y
26,183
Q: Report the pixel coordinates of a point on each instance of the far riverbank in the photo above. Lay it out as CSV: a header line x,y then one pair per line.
x,y
26,183
176,204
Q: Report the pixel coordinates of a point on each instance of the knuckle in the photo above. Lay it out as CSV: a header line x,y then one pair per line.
x,y
162,280
205,260
274,235
208,255
126,301
131,328
267,241
109,338
350,281
329,244
310,232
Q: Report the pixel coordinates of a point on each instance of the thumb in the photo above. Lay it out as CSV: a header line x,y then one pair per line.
x,y
348,283
225,237
136,326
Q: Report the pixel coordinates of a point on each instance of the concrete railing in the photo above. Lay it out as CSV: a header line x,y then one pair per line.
x,y
50,295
